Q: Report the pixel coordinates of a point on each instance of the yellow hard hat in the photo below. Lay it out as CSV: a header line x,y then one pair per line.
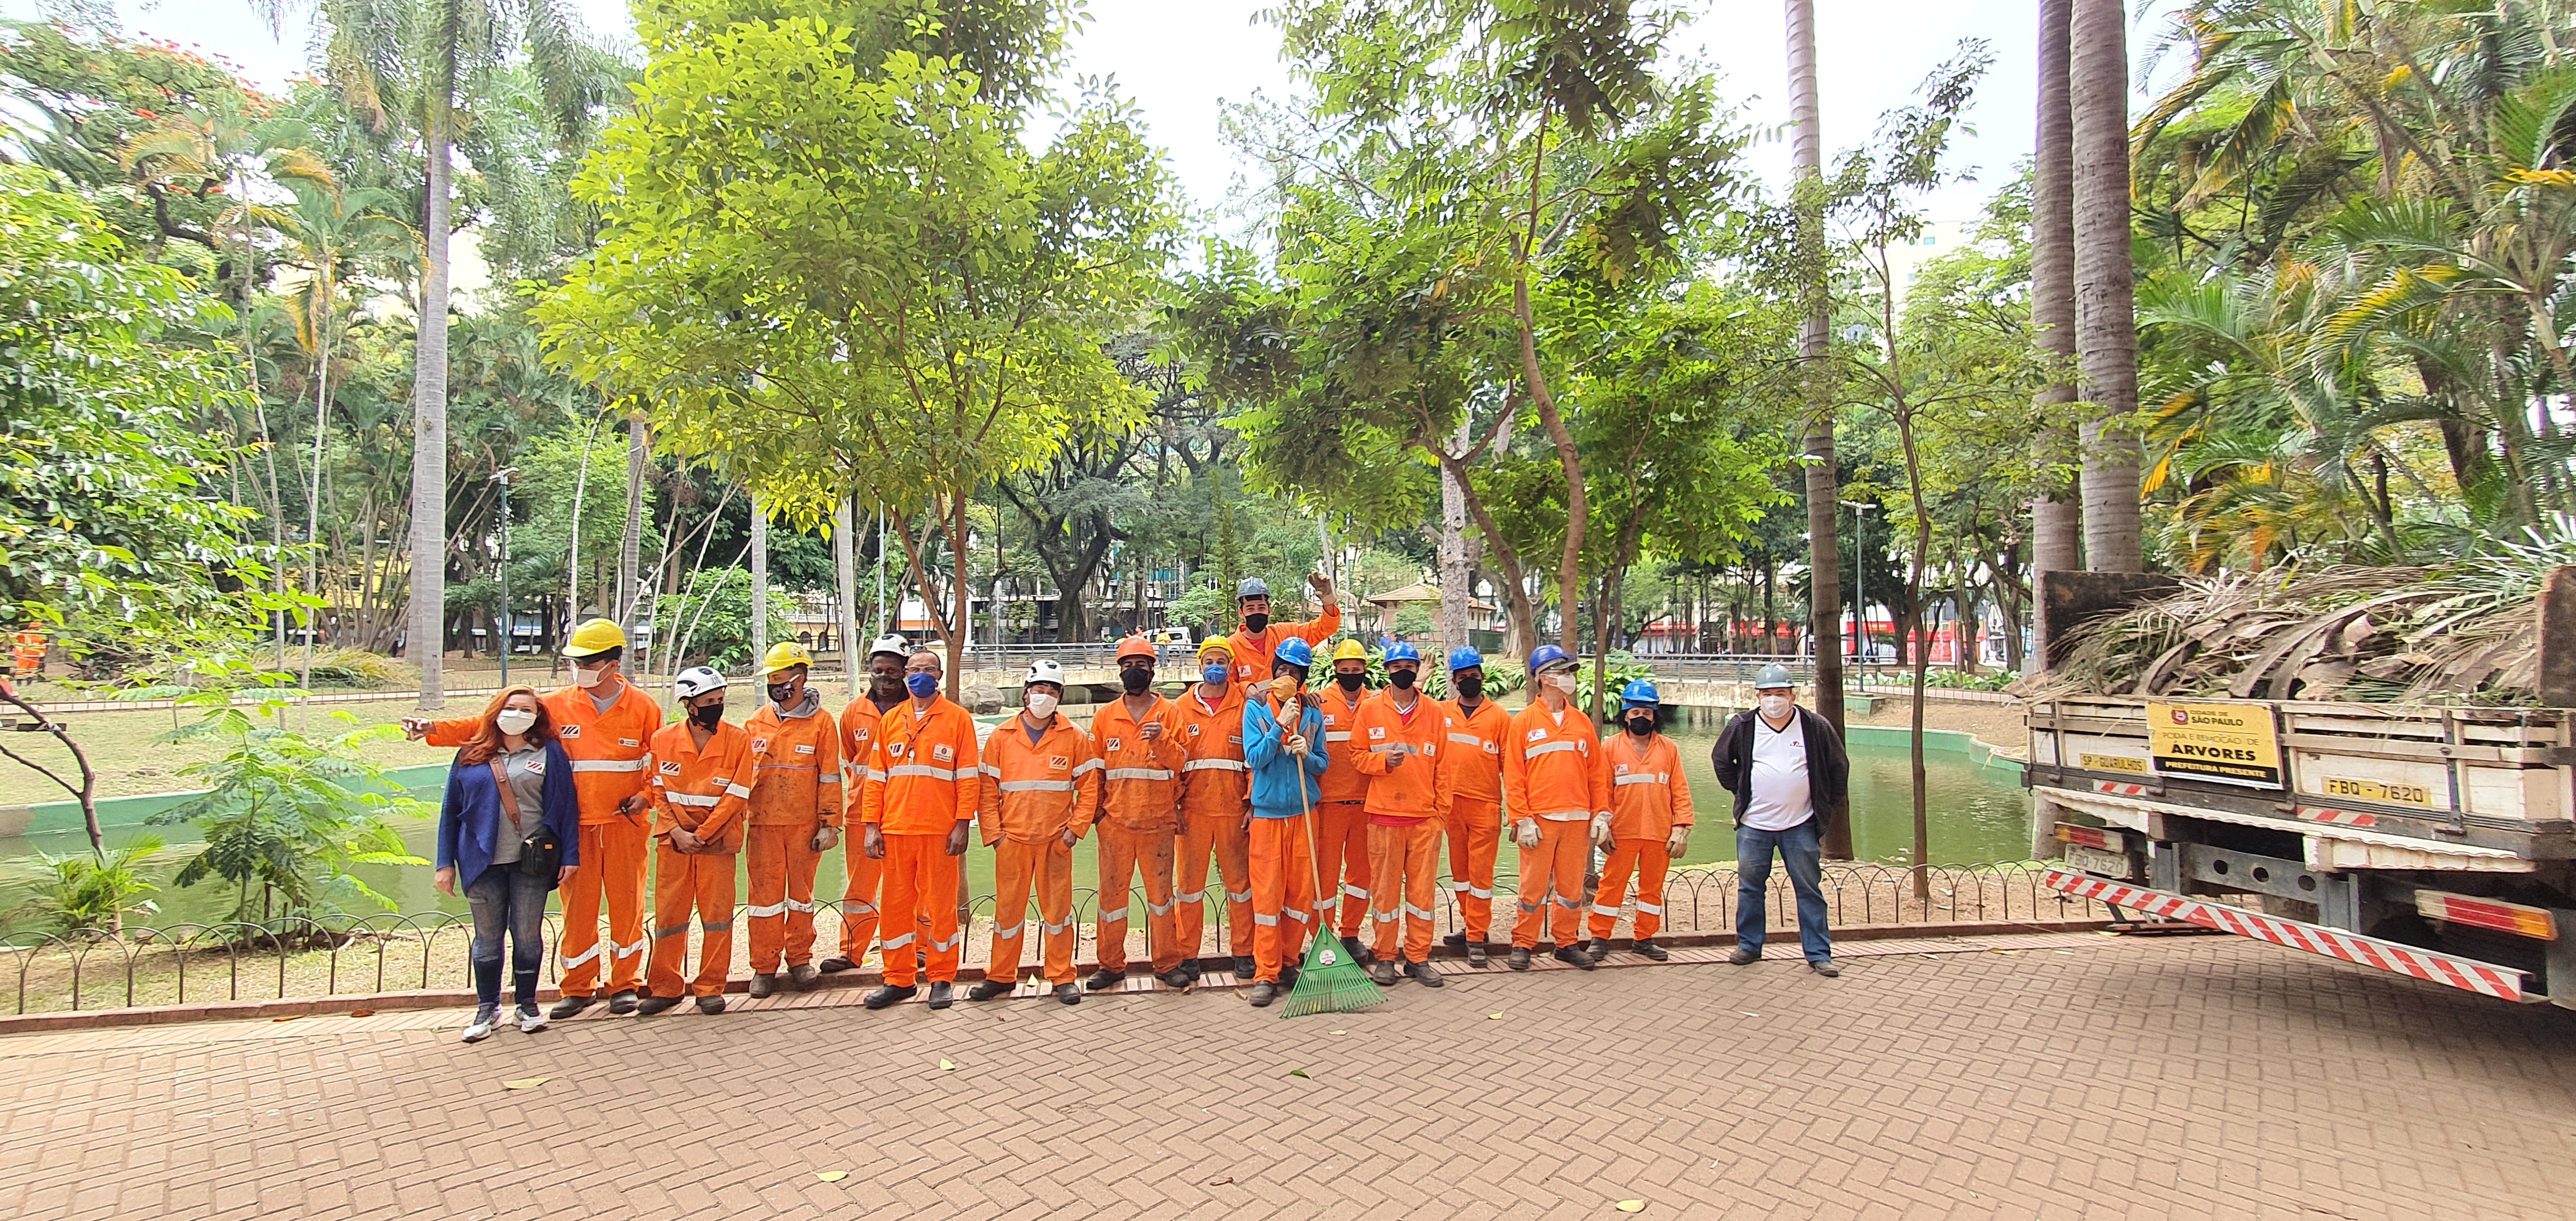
x,y
784,654
1350,650
1216,644
595,636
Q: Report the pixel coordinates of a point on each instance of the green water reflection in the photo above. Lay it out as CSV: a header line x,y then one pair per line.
x,y
1978,813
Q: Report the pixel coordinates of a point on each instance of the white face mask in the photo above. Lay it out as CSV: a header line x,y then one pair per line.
x,y
585,676
515,720
1041,705
1775,706
1564,683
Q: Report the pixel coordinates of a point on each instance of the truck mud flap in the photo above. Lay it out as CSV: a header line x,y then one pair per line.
x,y
2450,970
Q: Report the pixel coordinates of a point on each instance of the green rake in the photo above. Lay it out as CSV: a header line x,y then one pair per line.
x,y
1329,982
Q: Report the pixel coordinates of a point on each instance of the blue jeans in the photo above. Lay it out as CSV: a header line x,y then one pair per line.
x,y
505,900
1802,848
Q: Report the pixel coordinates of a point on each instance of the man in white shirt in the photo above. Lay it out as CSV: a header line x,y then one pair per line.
x,y
1788,773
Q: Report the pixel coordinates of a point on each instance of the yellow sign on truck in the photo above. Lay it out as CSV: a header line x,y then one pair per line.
x,y
2229,743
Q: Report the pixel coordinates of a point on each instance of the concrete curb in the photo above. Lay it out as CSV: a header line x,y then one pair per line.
x,y
383,1002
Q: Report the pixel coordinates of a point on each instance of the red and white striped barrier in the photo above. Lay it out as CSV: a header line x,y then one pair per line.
x,y
2340,818
2123,788
2485,979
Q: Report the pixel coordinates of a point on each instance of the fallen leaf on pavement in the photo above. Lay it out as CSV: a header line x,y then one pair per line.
x,y
947,1065
525,1083
1220,1182
831,1176
1299,1072
1341,1032
287,1018
1493,1017
1631,1206
372,1013
1748,1014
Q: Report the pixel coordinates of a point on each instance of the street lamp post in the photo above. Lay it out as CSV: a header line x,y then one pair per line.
x,y
1860,585
503,477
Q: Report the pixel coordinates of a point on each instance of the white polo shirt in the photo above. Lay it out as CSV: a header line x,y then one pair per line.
x,y
1781,795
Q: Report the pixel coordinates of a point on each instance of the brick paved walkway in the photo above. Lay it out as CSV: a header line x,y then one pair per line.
x,y
2200,1077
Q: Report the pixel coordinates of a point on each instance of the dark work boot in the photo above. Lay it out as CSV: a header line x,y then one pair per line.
x,y
835,964
886,994
988,989
763,983
1104,979
1243,967
711,1004
623,1002
1359,953
939,995
569,1006
1598,948
1742,955
1519,960
1574,958
1262,994
1068,994
1423,974
1652,951
651,1005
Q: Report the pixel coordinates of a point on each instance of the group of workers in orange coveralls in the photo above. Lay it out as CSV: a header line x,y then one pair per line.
x,y
1277,782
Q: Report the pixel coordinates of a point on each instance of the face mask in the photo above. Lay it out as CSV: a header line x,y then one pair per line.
x,y
1215,675
584,676
1641,725
1471,688
1349,682
1775,706
886,686
515,720
1135,679
921,683
1564,683
1401,679
1255,622
707,716
1286,686
1041,705
781,693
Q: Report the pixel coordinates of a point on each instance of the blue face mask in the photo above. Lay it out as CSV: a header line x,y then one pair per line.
x,y
1215,675
921,684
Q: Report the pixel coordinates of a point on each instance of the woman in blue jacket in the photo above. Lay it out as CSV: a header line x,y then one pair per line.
x,y
1287,757
482,834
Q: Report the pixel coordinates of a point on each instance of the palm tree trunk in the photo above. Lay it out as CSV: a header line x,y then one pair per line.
x,y
1824,486
2106,332
427,637
2056,520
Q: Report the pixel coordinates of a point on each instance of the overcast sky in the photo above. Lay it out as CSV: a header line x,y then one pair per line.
x,y
1181,60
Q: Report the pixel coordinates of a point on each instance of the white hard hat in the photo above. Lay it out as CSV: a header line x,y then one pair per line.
x,y
1044,671
891,642
696,681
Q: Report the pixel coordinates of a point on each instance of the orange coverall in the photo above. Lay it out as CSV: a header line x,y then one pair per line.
x,y
1140,811
795,792
1553,772
923,780
861,876
1406,813
1035,792
1252,649
1471,774
1341,811
706,792
1648,798
611,753
1216,787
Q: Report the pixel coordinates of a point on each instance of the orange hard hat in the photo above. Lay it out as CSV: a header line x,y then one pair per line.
x,y
1136,646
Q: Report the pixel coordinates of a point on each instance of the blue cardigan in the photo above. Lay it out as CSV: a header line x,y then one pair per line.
x,y
469,820
1275,773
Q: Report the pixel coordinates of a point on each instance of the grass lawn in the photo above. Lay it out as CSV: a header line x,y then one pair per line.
x,y
126,748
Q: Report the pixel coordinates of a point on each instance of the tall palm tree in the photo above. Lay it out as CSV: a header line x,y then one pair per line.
x,y
419,62
2055,520
2106,333
1824,487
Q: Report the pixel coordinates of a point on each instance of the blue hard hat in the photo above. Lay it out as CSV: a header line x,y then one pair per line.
x,y
1400,651
1465,657
1252,587
1547,655
1295,651
1638,693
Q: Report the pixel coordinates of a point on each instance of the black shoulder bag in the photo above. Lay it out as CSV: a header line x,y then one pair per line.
x,y
540,854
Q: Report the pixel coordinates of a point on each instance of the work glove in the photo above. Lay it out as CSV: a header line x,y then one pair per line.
x,y
1526,835
1600,830
1678,840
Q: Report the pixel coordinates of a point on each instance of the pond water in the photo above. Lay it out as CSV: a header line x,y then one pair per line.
x,y
1978,813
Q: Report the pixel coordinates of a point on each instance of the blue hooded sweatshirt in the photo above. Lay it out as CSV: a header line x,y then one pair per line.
x,y
1275,778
